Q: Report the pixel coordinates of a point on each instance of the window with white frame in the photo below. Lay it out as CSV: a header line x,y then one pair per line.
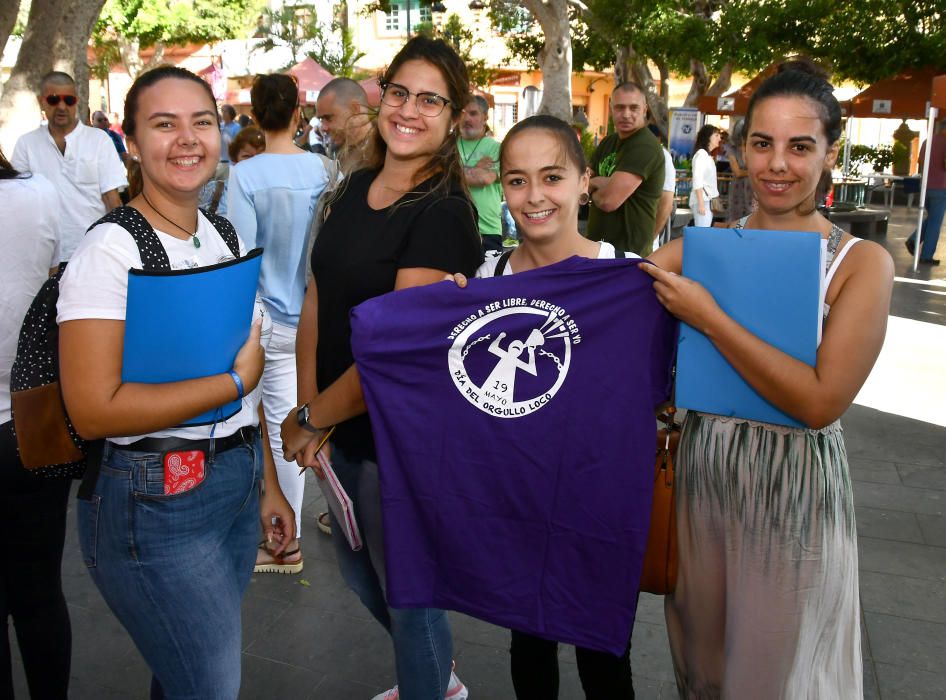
x,y
395,19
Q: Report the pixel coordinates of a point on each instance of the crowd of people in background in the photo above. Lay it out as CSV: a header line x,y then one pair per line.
x,y
356,202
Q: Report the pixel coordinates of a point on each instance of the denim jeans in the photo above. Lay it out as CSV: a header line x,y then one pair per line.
x,y
423,648
173,569
935,213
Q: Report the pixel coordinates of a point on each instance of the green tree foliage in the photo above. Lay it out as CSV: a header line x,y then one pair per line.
x,y
303,34
870,40
464,42
125,27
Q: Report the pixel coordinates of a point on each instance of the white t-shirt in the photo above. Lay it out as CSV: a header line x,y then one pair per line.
x,y
670,173
89,168
29,239
95,286
487,269
704,173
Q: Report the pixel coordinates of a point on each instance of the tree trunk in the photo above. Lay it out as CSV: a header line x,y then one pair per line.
x,y
129,49
8,13
555,58
19,112
703,85
72,42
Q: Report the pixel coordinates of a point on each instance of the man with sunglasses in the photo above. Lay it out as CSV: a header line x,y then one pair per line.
x,y
80,161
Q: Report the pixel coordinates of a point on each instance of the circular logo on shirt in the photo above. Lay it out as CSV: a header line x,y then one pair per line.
x,y
511,358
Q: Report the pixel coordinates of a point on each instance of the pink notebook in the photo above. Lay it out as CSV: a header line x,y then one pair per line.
x,y
339,503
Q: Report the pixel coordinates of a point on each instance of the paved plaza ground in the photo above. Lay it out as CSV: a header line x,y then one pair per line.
x,y
307,637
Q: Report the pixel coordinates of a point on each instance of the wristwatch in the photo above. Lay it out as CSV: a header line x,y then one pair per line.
x,y
302,417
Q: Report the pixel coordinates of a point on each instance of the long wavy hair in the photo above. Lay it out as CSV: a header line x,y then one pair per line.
x,y
444,164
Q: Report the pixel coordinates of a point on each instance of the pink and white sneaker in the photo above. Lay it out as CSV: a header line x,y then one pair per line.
x,y
455,689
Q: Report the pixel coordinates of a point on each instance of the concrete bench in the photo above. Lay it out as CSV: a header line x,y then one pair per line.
x,y
862,223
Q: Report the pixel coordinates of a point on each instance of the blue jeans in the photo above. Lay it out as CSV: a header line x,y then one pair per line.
x,y
935,212
173,569
423,648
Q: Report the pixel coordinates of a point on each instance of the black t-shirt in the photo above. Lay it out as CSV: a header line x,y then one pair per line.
x,y
357,257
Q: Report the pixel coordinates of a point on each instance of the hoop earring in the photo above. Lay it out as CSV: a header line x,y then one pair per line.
x,y
584,198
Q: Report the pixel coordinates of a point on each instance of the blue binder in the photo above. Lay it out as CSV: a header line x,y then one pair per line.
x,y
770,283
185,324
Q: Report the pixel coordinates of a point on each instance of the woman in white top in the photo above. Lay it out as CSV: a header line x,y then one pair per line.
x,y
169,533
704,189
766,603
545,178
31,506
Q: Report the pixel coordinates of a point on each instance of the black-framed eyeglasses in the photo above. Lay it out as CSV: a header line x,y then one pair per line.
x,y
53,100
429,104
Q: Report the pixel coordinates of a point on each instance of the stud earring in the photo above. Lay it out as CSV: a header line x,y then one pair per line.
x,y
584,198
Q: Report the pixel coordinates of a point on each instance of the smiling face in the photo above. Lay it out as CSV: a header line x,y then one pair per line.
x,y
541,185
408,134
787,151
61,117
176,140
629,112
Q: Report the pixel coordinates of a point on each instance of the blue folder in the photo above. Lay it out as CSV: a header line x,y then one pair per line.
x,y
770,283
185,324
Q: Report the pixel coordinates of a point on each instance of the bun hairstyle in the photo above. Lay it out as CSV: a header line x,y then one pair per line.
x,y
274,100
559,130
153,77
802,77
446,160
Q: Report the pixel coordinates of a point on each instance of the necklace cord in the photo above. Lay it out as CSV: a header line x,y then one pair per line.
x,y
170,221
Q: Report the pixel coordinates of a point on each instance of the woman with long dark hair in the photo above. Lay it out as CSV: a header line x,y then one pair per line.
x,y
31,506
704,187
171,556
403,221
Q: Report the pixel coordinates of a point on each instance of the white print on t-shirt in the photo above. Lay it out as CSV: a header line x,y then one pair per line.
x,y
501,346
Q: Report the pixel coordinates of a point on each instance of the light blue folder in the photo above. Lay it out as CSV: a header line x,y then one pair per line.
x,y
770,283
185,324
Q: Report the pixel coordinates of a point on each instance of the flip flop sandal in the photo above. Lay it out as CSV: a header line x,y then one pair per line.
x,y
324,523
278,565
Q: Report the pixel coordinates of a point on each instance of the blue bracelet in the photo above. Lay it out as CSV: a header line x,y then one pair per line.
x,y
239,384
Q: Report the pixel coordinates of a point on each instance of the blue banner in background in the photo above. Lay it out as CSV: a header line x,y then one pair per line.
x,y
684,123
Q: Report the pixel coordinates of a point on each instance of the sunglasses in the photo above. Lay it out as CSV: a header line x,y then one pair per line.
x,y
53,100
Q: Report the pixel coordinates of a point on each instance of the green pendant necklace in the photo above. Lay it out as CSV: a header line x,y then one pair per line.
x,y
193,235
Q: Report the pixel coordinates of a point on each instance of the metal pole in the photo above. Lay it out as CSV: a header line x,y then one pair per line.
x,y
846,169
930,126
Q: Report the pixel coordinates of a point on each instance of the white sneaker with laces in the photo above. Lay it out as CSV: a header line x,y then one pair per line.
x,y
455,689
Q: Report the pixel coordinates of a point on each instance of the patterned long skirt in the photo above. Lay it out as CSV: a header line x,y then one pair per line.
x,y
766,604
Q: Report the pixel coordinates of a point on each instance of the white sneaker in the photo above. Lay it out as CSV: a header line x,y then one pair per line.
x,y
455,690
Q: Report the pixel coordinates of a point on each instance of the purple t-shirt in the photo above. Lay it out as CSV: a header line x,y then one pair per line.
x,y
514,424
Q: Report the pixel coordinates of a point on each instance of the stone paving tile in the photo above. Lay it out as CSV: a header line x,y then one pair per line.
x,y
888,525
650,653
933,528
897,683
874,470
902,498
264,678
334,688
923,477
870,681
918,599
909,643
885,556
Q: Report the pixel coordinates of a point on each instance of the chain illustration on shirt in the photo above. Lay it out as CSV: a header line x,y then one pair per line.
x,y
511,357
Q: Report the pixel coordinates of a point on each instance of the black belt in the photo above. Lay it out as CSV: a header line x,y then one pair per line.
x,y
244,436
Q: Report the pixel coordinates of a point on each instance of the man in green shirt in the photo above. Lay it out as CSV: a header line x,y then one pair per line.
x,y
479,155
627,177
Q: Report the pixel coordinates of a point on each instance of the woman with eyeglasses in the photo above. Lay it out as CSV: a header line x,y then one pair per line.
x,y
403,221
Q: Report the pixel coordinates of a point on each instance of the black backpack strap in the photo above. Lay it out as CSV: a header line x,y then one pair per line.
x,y
226,231
501,263
153,255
